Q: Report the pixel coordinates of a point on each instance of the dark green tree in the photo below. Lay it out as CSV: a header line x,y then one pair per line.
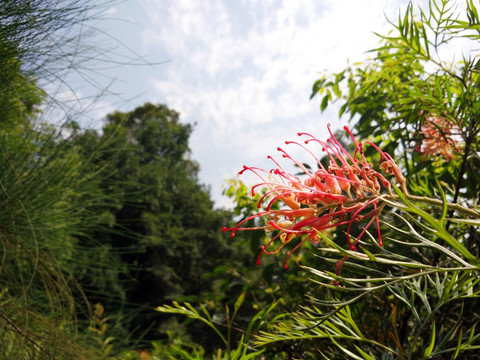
x,y
164,226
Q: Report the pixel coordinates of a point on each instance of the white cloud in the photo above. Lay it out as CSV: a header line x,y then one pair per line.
x,y
244,72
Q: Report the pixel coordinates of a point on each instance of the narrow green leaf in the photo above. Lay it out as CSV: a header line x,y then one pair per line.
x,y
205,311
444,201
473,11
259,317
472,333
368,253
348,352
438,226
348,317
364,354
238,351
429,349
459,345
473,222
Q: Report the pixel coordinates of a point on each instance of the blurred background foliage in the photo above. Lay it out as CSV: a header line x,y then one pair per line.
x,y
107,236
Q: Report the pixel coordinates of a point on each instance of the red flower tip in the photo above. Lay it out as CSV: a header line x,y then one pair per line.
x,y
245,167
229,229
259,258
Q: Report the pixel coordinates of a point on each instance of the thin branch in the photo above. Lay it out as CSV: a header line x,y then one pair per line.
x,y
21,332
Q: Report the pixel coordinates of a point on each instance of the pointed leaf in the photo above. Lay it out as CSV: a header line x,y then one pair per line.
x,y
429,349
364,354
459,345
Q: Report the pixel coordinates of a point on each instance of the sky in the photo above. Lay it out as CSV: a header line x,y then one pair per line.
x,y
240,71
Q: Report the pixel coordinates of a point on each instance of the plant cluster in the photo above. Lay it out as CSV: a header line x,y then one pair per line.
x,y
373,234
409,289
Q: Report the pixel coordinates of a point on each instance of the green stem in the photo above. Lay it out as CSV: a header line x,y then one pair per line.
x,y
421,199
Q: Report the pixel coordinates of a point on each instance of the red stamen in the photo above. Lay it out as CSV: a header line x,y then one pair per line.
x,y
308,150
318,202
299,164
259,258
336,142
285,266
352,219
380,242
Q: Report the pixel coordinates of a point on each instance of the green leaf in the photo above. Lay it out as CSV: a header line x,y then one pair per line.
x,y
346,351
437,225
239,303
336,90
316,87
473,222
444,201
364,354
238,351
189,311
369,254
324,103
459,344
429,349
259,317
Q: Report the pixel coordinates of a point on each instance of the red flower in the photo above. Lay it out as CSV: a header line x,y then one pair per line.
x,y
298,207
439,138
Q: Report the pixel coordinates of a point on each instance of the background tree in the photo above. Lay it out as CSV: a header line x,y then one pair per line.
x,y
163,225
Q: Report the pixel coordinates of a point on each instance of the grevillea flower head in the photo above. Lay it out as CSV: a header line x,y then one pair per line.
x,y
440,138
297,207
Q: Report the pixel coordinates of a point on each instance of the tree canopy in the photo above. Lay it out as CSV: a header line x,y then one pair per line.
x,y
163,223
